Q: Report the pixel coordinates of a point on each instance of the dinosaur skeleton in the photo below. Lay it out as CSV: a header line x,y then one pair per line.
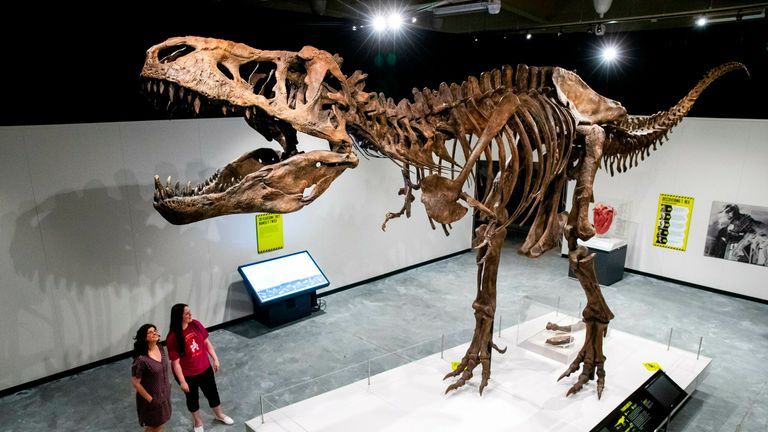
x,y
545,124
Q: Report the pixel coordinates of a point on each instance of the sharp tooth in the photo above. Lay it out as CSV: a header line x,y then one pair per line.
x,y
189,188
162,87
248,113
159,192
171,91
168,182
157,195
197,105
308,191
176,188
224,109
189,98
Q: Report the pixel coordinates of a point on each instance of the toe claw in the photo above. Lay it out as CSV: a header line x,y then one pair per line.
x,y
573,390
454,386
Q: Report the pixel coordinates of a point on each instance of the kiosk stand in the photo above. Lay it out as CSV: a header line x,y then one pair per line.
x,y
283,288
611,255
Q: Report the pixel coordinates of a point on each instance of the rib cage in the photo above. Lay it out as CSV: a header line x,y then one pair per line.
x,y
427,132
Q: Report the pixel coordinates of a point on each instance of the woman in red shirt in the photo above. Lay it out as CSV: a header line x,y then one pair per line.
x,y
189,350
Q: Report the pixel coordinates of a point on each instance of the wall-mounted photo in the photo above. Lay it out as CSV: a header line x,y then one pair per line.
x,y
738,232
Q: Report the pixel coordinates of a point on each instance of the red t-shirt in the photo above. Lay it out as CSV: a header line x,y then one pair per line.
x,y
195,360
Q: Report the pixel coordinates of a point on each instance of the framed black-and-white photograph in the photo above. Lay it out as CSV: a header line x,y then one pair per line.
x,y
738,232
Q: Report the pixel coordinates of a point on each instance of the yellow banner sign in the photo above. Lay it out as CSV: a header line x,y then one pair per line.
x,y
673,219
269,232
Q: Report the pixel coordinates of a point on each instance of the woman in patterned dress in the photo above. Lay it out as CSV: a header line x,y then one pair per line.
x,y
149,375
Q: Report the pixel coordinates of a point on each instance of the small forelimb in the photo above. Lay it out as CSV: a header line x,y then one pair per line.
x,y
478,205
407,192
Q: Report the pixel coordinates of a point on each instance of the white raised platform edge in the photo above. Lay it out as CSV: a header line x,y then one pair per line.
x,y
605,244
522,395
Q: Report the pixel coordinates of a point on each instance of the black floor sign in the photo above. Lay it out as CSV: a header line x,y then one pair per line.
x,y
647,408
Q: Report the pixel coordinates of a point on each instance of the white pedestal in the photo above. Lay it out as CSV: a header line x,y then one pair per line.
x,y
522,395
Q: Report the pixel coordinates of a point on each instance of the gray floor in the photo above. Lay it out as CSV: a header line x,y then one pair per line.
x,y
406,314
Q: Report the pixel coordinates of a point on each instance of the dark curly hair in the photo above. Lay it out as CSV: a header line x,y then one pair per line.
x,y
177,315
140,346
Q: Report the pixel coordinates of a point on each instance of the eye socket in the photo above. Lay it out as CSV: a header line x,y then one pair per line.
x,y
332,83
174,52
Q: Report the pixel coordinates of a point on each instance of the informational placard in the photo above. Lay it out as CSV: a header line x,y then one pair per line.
x,y
673,219
647,408
269,232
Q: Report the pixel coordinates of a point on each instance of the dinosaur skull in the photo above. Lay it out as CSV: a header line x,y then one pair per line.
x,y
278,93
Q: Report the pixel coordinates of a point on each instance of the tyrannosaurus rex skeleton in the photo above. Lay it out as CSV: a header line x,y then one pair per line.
x,y
544,123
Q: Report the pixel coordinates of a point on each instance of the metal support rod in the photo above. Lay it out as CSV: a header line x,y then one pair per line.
x,y
669,342
499,325
519,321
698,353
369,372
442,345
261,402
557,306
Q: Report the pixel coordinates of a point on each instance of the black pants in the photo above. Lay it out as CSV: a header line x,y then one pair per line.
x,y
205,382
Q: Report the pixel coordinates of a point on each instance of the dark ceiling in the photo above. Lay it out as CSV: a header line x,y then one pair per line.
x,y
462,16
79,63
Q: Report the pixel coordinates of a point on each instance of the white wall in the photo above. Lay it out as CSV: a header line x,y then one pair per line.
x,y
709,160
85,259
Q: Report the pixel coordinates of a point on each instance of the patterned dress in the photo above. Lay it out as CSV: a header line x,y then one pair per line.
x,y
153,376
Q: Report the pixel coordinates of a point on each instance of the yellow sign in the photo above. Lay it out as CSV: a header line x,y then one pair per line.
x,y
455,365
269,232
673,219
652,366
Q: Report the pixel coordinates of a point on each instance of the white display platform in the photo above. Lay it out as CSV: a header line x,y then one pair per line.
x,y
522,395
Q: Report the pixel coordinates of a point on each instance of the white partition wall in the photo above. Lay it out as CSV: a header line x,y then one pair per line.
x,y
709,160
85,259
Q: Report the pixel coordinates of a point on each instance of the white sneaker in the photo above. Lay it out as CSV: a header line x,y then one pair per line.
x,y
226,420
199,429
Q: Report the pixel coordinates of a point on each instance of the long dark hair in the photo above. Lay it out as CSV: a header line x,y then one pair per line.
x,y
140,346
177,315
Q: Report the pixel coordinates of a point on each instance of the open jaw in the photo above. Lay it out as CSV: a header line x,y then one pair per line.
x,y
263,180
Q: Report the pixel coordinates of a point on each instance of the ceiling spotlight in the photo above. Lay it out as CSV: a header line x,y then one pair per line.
x,y
394,21
701,21
354,28
413,20
528,36
610,54
379,23
599,29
